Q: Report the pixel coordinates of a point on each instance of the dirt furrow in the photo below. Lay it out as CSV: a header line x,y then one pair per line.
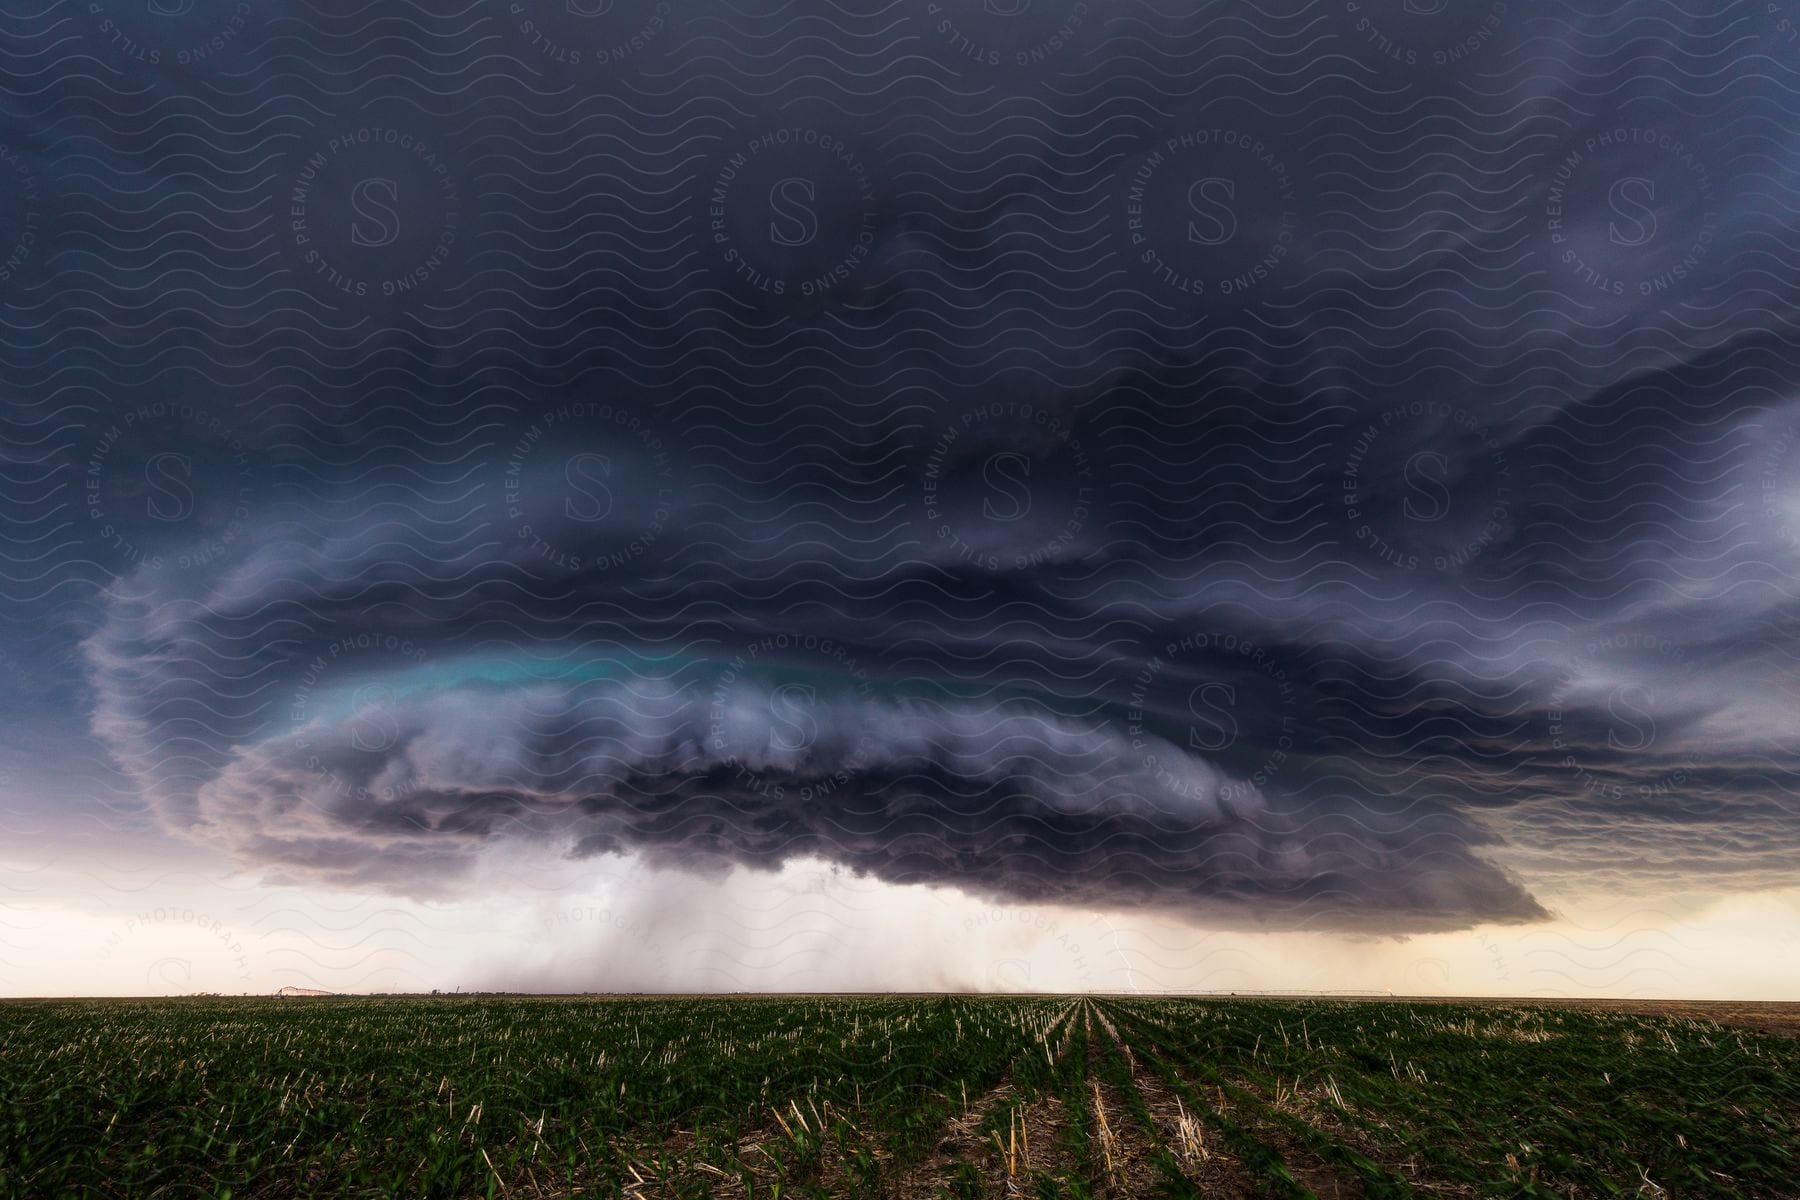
x,y
1313,1107
969,1162
1198,1152
1125,1153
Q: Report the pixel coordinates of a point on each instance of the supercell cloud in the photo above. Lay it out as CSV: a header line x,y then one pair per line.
x,y
1315,466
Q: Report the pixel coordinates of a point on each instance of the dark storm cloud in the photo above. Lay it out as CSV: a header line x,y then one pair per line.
x,y
1242,452
385,743
1199,772
716,767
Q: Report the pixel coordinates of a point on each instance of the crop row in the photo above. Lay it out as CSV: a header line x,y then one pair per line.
x,y
961,1097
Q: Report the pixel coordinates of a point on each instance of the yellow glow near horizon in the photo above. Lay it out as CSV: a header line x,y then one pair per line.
x,y
810,928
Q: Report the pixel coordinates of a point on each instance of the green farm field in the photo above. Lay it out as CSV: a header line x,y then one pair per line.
x,y
526,1098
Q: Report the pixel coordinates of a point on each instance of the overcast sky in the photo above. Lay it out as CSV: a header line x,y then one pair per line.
x,y
900,494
